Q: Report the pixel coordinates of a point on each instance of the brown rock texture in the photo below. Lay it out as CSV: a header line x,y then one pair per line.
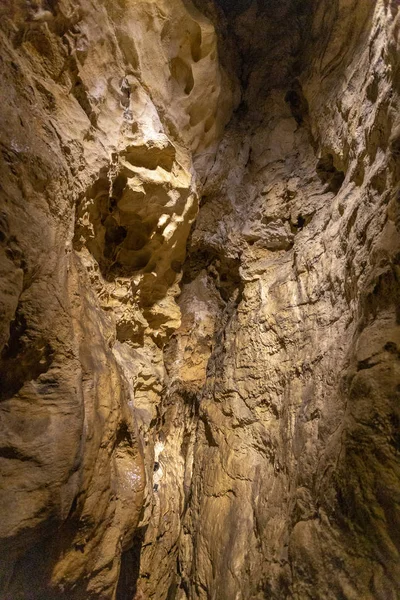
x,y
104,106
200,291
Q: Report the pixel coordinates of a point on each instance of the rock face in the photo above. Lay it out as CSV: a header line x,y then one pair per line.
x,y
200,364
104,108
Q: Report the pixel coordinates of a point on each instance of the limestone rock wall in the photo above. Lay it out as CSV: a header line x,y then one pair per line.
x,y
104,106
199,369
281,420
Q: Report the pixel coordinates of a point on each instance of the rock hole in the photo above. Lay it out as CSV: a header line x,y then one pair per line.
x,y
300,222
329,174
136,238
115,234
73,508
373,90
80,93
195,45
14,454
130,567
132,260
23,358
118,186
297,102
182,73
392,348
176,266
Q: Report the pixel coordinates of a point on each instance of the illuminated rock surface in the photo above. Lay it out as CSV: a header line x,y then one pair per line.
x,y
200,263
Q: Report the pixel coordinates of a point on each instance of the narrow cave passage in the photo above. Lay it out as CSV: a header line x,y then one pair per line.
x,y
199,299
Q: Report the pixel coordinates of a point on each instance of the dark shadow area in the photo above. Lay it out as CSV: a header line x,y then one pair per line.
x,y
22,359
120,240
329,174
130,567
234,7
297,103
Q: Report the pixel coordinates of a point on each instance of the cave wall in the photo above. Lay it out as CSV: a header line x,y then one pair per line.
x,y
104,106
200,331
285,369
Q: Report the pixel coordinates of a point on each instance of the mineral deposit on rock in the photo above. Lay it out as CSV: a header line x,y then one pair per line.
x,y
199,300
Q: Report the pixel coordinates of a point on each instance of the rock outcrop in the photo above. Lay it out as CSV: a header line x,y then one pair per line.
x,y
200,363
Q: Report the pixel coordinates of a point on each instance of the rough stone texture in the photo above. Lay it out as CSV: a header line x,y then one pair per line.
x,y
219,421
285,370
104,106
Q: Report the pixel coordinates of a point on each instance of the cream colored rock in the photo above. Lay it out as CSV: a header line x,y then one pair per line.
x,y
103,112
295,479
201,410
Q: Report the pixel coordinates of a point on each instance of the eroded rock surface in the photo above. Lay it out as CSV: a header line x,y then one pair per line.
x,y
200,331
288,350
103,109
